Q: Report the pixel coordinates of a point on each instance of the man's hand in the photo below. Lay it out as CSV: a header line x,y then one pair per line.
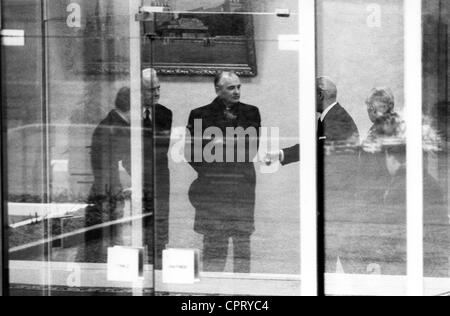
x,y
272,157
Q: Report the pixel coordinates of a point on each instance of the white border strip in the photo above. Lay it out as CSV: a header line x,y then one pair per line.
x,y
308,166
413,110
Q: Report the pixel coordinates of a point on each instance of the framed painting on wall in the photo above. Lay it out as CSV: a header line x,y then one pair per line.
x,y
198,37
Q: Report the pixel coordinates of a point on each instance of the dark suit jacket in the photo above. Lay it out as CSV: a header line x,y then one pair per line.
x,y
157,187
337,127
224,193
111,144
158,146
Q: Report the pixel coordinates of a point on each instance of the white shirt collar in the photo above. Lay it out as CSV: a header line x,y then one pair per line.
x,y
324,114
147,108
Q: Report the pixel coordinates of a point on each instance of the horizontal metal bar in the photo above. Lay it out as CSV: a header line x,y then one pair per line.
x,y
146,12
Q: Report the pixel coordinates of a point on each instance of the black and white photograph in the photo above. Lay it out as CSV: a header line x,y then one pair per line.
x,y
225,148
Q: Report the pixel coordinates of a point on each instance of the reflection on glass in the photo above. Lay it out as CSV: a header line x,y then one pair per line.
x,y
68,99
365,194
241,214
110,149
436,20
364,217
157,125
73,203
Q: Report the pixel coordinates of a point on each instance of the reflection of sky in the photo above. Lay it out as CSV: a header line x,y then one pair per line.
x,y
182,5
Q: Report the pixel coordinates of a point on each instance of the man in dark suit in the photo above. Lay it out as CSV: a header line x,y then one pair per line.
x,y
335,129
335,125
157,127
111,145
224,193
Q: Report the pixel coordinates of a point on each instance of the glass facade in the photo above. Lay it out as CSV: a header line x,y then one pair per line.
x,y
154,148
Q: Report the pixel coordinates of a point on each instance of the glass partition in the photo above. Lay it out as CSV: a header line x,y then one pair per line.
x,y
72,223
436,19
117,173
371,146
362,144
228,72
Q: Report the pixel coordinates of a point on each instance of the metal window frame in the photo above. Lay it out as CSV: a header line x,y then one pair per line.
x,y
3,243
136,133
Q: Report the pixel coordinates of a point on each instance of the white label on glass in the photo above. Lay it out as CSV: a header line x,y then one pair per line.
x,y
125,264
180,266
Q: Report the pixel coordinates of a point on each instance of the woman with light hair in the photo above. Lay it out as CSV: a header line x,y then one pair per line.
x,y
380,107
380,102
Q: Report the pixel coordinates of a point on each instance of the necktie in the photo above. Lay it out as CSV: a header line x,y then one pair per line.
x,y
147,114
147,119
320,129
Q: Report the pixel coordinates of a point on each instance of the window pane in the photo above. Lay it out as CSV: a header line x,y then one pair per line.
x,y
78,146
68,105
436,18
362,144
242,215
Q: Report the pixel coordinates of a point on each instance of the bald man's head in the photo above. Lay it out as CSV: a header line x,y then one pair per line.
x,y
150,87
149,77
228,87
326,93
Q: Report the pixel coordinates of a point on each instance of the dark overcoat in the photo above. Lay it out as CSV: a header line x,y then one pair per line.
x,y
224,192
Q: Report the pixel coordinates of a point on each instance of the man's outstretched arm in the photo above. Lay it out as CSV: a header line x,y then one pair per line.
x,y
285,156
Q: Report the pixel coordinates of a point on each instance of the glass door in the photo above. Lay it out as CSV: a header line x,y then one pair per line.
x,y
77,219
384,164
102,197
229,75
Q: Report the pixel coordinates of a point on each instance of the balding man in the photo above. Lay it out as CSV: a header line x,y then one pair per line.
x,y
224,193
335,124
157,123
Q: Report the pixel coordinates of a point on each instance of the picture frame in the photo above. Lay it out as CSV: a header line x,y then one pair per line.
x,y
199,41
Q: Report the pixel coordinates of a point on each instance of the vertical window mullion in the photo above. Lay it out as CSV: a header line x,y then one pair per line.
x,y
136,131
308,165
413,110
